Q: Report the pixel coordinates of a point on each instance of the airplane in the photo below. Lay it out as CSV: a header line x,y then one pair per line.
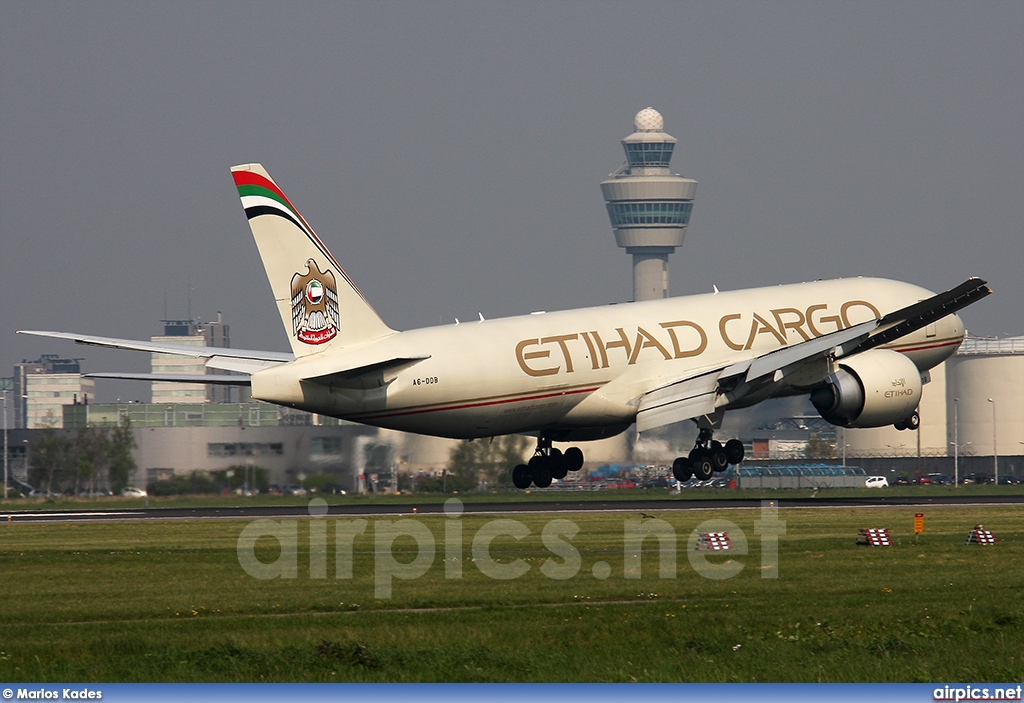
x,y
860,349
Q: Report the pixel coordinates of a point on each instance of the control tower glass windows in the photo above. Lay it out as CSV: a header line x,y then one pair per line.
x,y
675,213
649,154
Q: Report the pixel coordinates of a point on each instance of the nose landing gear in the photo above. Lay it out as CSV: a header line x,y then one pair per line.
x,y
911,423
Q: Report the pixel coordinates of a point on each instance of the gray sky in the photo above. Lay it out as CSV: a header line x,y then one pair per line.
x,y
450,154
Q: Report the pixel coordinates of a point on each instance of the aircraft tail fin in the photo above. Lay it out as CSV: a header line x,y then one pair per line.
x,y
320,307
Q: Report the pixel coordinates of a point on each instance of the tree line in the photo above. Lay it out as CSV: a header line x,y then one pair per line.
x,y
478,463
90,459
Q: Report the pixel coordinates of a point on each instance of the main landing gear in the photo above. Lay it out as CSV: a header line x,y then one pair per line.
x,y
707,456
546,464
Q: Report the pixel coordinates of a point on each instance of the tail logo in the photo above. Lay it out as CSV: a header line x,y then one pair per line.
x,y
315,316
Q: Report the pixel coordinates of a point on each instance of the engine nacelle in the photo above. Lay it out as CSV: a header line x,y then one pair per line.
x,y
874,389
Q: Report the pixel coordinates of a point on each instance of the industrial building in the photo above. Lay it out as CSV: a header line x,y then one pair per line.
x,y
42,388
198,334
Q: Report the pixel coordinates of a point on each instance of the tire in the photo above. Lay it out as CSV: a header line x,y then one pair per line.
x,y
540,471
521,476
719,459
913,422
703,469
573,458
559,467
681,469
734,451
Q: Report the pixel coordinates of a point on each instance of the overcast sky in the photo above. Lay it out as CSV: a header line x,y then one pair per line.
x,y
450,154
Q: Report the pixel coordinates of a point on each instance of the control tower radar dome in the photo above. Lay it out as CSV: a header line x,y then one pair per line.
x,y
648,205
649,120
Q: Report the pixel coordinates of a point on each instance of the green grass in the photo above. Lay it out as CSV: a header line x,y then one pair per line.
x,y
169,601
505,496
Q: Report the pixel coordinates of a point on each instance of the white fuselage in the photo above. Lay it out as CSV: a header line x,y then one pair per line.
x,y
578,374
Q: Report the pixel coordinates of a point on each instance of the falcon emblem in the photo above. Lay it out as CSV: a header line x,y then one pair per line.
x,y
315,317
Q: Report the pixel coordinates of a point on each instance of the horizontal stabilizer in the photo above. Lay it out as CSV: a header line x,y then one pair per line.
x,y
166,348
215,379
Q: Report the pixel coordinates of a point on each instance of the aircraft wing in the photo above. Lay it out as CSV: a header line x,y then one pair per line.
x,y
802,364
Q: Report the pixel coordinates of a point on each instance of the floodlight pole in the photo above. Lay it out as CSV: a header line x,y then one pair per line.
x,y
5,445
956,442
995,450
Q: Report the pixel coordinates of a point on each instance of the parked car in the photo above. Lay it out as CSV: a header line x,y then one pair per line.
x,y
876,482
976,478
1008,481
940,479
294,489
132,492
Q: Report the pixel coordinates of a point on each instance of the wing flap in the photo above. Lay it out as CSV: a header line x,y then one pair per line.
x,y
690,397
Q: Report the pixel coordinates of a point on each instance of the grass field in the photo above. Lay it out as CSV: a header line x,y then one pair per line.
x,y
504,496
170,601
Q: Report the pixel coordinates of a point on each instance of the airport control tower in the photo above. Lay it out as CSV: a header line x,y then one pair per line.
x,y
649,207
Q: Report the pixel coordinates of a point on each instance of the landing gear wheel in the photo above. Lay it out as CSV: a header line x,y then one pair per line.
x,y
573,458
681,469
702,467
521,476
557,464
719,459
913,422
734,451
540,471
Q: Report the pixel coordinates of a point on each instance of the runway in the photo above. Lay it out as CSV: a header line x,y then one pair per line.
x,y
490,508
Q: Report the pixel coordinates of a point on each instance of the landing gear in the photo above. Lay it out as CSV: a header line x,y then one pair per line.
x,y
547,464
707,457
911,423
521,477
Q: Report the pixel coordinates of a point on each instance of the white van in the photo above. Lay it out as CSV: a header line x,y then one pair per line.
x,y
876,482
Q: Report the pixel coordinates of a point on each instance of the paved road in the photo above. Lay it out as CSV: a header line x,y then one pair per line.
x,y
406,509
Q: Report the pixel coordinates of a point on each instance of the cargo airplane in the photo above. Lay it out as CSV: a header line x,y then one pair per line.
x,y
860,348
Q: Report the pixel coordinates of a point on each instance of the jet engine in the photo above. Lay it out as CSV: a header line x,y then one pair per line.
x,y
873,389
